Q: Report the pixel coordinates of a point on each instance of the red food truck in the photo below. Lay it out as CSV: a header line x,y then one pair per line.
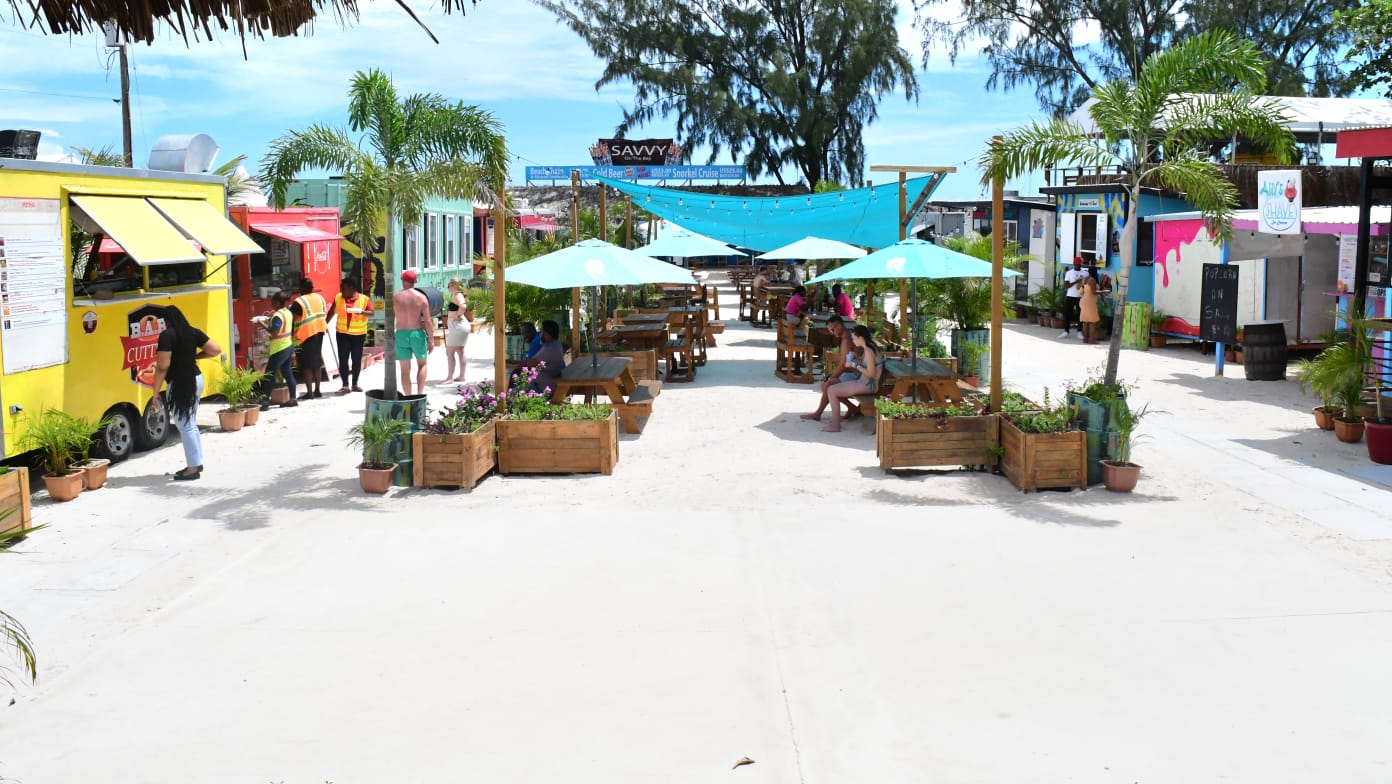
x,y
300,242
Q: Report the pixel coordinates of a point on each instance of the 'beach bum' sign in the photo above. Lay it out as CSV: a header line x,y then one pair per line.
x,y
1278,202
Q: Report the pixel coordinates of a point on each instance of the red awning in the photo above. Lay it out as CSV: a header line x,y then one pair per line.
x,y
538,223
1364,143
294,232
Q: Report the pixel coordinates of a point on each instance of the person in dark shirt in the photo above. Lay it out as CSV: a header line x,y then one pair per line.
x,y
180,347
549,360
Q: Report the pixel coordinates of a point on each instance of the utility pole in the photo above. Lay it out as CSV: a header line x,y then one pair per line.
x,y
115,40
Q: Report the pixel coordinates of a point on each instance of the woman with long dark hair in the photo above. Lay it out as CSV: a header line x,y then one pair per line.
x,y
180,347
869,364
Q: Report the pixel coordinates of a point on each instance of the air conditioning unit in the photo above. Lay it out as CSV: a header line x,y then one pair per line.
x,y
191,154
19,144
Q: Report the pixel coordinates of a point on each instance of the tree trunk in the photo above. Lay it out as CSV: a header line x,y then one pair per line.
x,y
1123,282
389,318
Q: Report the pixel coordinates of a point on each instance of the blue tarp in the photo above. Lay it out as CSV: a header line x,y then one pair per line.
x,y
865,216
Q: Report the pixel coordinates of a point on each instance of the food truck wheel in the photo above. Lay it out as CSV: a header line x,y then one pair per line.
x,y
117,440
154,426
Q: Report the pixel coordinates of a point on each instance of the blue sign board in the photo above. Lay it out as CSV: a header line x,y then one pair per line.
x,y
638,172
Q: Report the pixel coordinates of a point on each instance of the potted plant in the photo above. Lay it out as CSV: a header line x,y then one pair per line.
x,y
536,436
1093,402
1314,376
1043,449
1119,474
915,435
58,437
1157,323
93,469
973,355
373,435
455,448
240,386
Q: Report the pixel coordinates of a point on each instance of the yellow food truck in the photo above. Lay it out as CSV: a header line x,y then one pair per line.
x,y
89,258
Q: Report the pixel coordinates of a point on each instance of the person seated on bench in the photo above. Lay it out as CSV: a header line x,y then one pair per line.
x,y
844,307
760,282
531,338
835,375
797,306
549,360
869,363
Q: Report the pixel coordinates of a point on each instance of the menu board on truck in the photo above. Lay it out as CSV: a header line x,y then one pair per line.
x,y
33,285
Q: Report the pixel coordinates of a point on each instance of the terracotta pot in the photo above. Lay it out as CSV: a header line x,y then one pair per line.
x,y
971,381
94,473
1348,431
1379,440
375,480
232,419
1324,417
64,487
1120,477
250,415
280,395
1157,341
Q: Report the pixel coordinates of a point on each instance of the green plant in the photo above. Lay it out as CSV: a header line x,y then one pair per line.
x,y
83,446
1126,421
1157,320
240,385
971,357
899,409
59,437
477,405
12,632
966,302
1048,419
373,435
1341,370
1316,377
1097,389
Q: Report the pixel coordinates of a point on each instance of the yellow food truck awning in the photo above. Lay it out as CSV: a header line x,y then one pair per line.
x,y
205,225
139,229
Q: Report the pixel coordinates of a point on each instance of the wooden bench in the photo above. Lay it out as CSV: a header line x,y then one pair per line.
x,y
792,350
634,412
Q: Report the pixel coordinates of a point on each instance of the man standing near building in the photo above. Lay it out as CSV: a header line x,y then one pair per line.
x,y
310,311
415,335
349,316
1073,284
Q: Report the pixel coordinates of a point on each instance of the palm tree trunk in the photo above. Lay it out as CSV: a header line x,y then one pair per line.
x,y
1123,282
389,327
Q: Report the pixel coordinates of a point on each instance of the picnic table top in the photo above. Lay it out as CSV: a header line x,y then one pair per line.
x,y
626,329
641,318
609,369
924,368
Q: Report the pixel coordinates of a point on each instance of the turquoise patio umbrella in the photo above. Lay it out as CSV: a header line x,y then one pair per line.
x,y
813,248
680,242
595,263
913,259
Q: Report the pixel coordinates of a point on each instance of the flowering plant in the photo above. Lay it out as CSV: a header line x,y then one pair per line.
x,y
477,405
521,402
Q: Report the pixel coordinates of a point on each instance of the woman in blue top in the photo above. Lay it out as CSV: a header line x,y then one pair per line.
x,y
868,364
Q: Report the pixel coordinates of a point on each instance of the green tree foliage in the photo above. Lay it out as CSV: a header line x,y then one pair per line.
x,y
1174,157
1370,28
776,82
1037,43
410,149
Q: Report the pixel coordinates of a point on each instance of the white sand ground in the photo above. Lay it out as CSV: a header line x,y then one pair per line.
x,y
744,585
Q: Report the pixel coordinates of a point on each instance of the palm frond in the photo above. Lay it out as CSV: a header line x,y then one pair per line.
x,y
1203,185
1214,61
1200,119
1036,146
316,147
365,201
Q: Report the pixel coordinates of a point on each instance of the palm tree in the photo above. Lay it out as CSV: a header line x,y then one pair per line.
x,y
239,183
410,149
1156,130
12,633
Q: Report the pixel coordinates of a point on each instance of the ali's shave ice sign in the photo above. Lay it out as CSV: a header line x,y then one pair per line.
x,y
1278,202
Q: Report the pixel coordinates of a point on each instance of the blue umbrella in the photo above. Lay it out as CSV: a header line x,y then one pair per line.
x,y
596,263
680,242
813,248
913,259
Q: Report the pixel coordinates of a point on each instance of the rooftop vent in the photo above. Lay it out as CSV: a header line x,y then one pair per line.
x,y
191,154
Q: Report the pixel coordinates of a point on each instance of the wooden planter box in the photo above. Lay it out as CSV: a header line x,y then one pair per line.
x,y
14,500
643,367
1039,460
453,460
960,440
558,447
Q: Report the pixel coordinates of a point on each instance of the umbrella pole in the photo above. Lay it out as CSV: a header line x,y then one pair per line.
x,y
913,333
594,340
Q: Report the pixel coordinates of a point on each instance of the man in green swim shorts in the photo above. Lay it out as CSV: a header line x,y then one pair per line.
x,y
414,336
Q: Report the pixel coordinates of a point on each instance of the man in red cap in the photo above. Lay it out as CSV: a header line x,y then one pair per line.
x,y
414,336
1073,283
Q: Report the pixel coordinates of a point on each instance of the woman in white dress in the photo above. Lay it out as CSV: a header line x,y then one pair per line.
x,y
458,325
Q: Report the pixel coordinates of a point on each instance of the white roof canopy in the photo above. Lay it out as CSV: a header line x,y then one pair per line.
x,y
1309,116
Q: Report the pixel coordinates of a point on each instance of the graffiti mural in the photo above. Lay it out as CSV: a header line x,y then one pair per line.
x,y
1182,247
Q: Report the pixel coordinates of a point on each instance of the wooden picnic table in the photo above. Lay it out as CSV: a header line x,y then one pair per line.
x,y
631,400
928,380
644,318
647,336
676,316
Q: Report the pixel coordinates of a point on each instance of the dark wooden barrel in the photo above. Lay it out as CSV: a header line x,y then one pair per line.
x,y
1264,350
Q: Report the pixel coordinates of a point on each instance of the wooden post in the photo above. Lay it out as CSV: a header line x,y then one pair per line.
x,y
574,240
628,243
500,374
598,309
904,315
997,281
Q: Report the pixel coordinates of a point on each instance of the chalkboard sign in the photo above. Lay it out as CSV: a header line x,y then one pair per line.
x,y
1218,312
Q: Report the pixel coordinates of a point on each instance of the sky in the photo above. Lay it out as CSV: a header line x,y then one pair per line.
x,y
507,56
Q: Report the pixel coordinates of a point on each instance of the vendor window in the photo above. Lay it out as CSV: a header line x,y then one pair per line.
x,y
1092,237
432,240
410,247
466,241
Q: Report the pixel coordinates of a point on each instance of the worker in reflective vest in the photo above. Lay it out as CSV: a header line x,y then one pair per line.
x,y
279,350
310,310
349,315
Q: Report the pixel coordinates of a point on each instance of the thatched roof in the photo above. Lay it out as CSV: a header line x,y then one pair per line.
x,y
138,19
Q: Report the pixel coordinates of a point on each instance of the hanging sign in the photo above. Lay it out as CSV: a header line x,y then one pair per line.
x,y
1278,202
636,152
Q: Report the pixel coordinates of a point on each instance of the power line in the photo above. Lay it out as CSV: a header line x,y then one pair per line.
x,y
59,95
